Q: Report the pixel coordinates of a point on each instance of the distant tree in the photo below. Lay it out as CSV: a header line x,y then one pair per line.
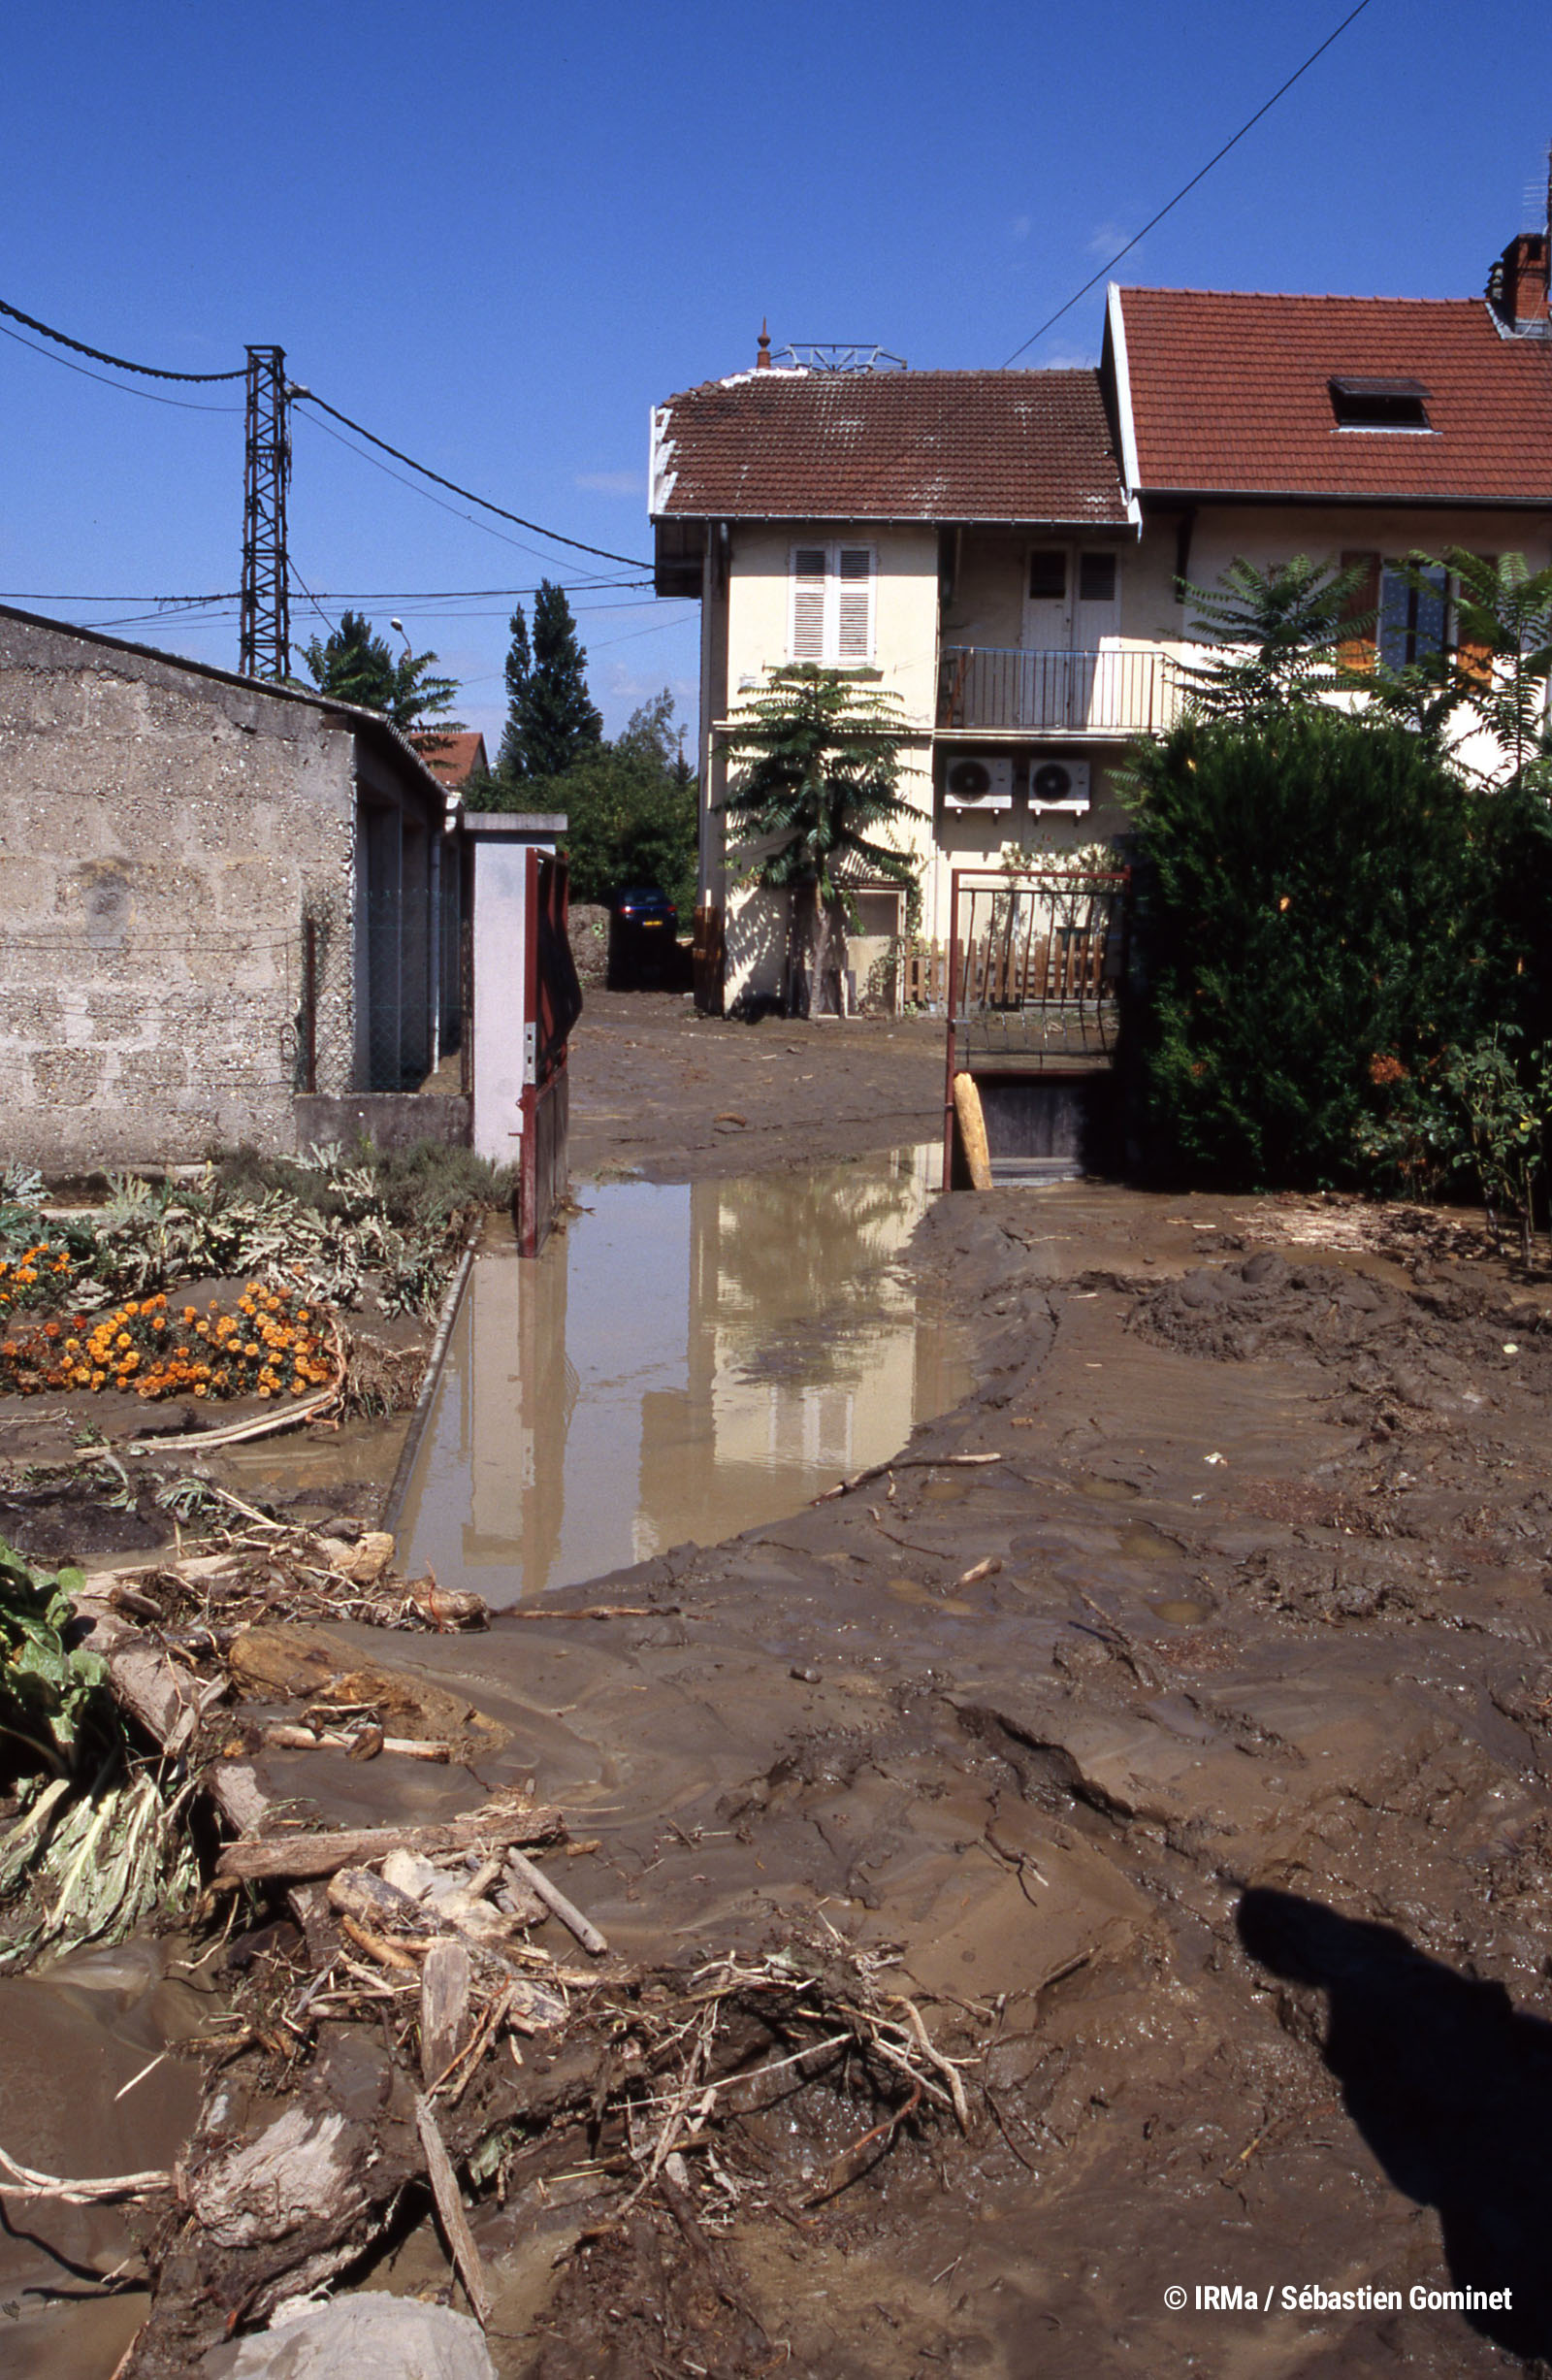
x,y
1275,637
356,665
817,760
551,717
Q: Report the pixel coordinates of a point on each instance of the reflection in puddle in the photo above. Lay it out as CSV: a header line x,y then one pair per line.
x,y
685,1362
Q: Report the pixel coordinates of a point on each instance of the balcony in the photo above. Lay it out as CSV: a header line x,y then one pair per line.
x,y
1006,690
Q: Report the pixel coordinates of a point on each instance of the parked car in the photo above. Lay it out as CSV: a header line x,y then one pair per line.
x,y
643,939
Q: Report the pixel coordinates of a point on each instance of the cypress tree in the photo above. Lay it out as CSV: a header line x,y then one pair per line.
x,y
551,718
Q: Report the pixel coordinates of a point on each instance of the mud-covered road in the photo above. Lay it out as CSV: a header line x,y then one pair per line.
x,y
1184,1752
1211,1817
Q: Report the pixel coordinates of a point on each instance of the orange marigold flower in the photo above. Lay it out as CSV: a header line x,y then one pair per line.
x,y
123,1340
199,1388
97,1379
266,1392
50,1330
190,1316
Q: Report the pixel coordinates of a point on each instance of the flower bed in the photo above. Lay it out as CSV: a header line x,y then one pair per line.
x,y
267,1344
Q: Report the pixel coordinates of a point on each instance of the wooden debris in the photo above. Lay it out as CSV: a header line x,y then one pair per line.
x,y
301,1856
971,1120
450,2214
569,1915
373,1907
305,2169
445,1982
988,1569
363,1744
109,2186
902,1462
595,1610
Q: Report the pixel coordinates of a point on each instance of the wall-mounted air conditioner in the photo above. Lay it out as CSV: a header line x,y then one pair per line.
x,y
1058,785
979,782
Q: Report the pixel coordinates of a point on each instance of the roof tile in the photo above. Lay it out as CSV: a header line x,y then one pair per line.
x,y
1231,395
894,445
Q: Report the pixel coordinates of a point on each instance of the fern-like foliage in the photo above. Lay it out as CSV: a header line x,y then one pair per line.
x,y
1276,638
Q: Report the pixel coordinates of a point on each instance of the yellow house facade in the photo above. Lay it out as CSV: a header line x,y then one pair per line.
x,y
1010,553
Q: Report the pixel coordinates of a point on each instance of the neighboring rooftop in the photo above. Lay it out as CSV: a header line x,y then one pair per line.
x,y
1029,447
1232,393
453,754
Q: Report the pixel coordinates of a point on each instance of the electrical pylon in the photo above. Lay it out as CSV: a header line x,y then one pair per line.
x,y
266,636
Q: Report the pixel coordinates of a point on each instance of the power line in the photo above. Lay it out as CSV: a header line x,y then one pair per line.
x,y
99,355
536,528
489,528
188,404
1187,188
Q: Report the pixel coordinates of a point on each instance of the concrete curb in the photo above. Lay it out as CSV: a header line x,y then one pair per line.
x,y
394,1502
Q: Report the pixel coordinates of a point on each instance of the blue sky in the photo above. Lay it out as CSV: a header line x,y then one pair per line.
x,y
496,235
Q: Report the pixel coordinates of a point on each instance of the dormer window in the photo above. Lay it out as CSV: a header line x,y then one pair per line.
x,y
1379,405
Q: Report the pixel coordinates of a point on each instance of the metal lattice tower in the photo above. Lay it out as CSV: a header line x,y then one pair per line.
x,y
266,648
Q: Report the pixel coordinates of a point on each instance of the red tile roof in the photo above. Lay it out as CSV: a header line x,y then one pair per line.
x,y
453,754
1231,395
890,445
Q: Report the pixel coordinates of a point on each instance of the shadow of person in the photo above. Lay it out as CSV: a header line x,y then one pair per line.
x,y
1451,2089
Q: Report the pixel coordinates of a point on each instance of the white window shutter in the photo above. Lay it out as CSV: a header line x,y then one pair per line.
x,y
808,602
853,640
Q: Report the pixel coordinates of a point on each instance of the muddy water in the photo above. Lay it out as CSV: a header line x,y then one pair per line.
x,y
92,2080
685,1362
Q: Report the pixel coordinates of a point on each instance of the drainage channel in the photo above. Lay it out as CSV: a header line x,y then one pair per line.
x,y
684,1363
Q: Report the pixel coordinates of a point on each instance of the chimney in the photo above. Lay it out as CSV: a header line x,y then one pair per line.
x,y
762,359
1519,283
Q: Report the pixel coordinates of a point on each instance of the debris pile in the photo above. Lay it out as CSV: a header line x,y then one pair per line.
x,y
407,2019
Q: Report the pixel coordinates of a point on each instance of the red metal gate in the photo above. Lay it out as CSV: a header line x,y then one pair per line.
x,y
552,1002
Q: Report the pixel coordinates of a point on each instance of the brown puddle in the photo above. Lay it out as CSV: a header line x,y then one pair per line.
x,y
684,1363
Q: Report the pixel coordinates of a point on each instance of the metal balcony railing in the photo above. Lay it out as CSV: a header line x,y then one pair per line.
x,y
1094,694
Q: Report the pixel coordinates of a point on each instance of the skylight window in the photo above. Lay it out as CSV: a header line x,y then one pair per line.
x,y
1379,405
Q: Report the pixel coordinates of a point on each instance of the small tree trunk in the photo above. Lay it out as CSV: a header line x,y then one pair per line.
x,y
822,952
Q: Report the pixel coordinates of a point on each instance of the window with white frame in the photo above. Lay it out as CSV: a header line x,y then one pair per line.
x,y
832,603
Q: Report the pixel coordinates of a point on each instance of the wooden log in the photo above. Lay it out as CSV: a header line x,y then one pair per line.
x,y
300,1855
308,2168
450,2213
445,1982
524,1872
972,1124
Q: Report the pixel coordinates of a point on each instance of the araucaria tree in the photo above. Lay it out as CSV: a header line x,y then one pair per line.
x,y
355,665
551,717
817,760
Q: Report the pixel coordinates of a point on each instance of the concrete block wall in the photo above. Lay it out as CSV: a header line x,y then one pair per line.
x,y
163,835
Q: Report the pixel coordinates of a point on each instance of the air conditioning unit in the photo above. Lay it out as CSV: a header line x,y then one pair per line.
x,y
1058,785
977,783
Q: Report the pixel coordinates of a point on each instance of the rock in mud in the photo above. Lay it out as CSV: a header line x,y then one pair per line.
x,y
389,2338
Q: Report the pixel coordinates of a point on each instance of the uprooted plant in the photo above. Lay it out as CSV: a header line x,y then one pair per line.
x,y
91,1846
328,1225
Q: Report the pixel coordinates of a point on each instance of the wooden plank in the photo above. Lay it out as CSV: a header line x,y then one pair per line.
x,y
445,1984
309,1855
450,2213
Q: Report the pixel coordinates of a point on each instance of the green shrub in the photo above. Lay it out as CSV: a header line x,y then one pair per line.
x,y
1315,910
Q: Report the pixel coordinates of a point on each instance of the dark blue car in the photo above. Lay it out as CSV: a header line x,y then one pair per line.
x,y
643,939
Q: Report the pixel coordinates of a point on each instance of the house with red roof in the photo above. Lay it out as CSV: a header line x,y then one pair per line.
x,y
1010,552
453,754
